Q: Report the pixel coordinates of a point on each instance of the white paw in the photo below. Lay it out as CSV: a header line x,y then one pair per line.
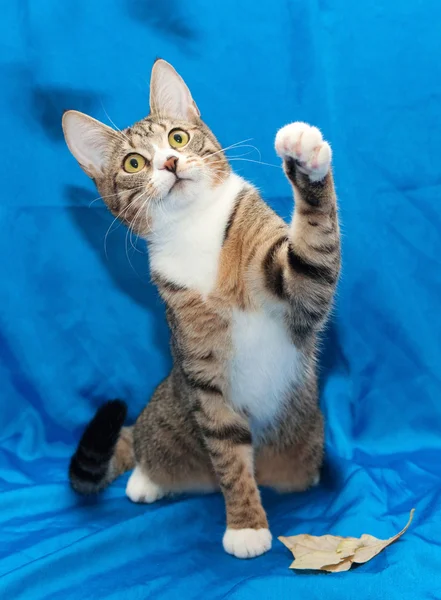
x,y
316,480
306,146
246,543
141,489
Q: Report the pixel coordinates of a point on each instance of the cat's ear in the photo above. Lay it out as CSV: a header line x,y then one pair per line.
x,y
169,95
90,141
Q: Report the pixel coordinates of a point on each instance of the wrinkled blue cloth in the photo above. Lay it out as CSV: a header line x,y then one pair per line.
x,y
80,322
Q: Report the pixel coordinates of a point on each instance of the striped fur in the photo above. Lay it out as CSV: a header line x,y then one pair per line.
x,y
246,296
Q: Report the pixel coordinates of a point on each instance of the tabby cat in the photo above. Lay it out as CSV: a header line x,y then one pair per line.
x,y
246,296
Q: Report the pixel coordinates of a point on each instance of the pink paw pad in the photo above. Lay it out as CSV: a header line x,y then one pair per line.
x,y
306,146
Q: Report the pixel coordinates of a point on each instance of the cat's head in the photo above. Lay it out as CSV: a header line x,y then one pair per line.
x,y
163,163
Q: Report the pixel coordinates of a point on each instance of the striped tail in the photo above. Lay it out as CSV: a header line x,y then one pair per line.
x,y
105,450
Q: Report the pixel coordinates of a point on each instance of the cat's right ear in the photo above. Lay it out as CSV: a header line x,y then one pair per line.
x,y
90,141
169,94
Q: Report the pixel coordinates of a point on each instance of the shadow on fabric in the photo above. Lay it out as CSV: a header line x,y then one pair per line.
x,y
49,103
125,258
166,17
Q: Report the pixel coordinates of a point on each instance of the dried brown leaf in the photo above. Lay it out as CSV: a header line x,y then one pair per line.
x,y
305,543
333,553
316,560
345,565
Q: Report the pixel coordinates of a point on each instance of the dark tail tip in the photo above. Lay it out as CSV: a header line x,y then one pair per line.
x,y
89,465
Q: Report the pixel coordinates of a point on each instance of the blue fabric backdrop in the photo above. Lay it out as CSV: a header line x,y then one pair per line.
x,y
80,323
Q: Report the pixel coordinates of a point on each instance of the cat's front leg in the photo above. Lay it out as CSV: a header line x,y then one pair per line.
x,y
228,440
304,268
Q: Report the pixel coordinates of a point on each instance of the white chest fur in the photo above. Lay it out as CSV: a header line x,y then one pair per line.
x,y
186,246
265,364
185,250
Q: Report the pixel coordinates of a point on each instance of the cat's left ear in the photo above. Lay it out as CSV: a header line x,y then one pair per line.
x,y
90,141
169,95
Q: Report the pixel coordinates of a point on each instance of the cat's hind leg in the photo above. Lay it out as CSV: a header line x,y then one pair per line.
x,y
140,488
292,467
169,453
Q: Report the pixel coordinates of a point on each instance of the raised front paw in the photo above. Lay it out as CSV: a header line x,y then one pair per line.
x,y
305,145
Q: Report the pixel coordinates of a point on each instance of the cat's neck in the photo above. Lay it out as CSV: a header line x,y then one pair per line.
x,y
186,240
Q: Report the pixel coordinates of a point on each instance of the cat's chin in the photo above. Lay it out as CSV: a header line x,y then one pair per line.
x,y
182,186
180,182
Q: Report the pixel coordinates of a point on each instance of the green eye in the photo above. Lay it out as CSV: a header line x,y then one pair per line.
x,y
178,138
133,163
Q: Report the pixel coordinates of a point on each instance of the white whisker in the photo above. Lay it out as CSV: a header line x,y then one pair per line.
x,y
118,216
138,215
225,149
220,162
131,227
250,146
113,195
117,128
259,162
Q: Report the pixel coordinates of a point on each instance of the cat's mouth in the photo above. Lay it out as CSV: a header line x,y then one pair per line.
x,y
179,181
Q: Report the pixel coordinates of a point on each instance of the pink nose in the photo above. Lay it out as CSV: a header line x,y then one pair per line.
x,y
171,164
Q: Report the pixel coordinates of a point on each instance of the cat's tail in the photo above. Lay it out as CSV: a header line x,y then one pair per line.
x,y
105,450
